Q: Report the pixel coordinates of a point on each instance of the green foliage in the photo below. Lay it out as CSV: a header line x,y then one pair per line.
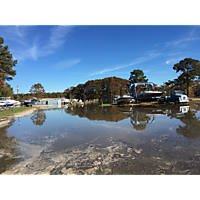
x,y
6,62
190,70
1,40
168,87
8,91
37,90
102,89
137,76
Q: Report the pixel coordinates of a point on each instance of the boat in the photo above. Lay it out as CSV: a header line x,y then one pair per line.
x,y
125,99
116,97
65,100
9,102
144,94
2,103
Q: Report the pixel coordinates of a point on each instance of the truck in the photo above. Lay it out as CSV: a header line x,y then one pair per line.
x,y
176,96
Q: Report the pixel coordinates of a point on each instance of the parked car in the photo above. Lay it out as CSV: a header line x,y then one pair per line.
x,y
26,103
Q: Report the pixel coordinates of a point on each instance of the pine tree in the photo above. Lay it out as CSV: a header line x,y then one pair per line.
x,y
190,69
6,62
137,76
37,90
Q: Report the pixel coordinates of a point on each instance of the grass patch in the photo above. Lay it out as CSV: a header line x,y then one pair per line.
x,y
4,113
103,105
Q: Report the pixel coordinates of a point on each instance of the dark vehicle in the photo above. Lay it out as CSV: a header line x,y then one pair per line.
x,y
176,96
26,103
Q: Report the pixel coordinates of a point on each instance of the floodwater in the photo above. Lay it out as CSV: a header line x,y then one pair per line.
x,y
159,139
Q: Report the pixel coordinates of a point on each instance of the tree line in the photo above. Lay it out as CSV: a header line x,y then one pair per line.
x,y
101,89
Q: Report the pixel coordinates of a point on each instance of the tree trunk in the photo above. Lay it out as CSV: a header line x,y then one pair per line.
x,y
188,86
188,92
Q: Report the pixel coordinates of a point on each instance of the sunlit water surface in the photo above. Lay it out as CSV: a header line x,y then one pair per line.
x,y
163,139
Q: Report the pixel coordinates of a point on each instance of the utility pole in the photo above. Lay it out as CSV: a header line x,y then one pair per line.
x,y
17,92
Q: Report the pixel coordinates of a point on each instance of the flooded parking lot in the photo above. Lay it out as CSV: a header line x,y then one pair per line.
x,y
159,139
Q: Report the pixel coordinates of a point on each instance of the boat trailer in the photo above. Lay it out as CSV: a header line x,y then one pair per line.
x,y
144,96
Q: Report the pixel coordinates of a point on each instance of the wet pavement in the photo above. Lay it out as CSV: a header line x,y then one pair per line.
x,y
159,139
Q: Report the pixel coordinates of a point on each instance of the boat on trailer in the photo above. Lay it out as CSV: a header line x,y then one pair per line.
x,y
125,99
144,94
151,95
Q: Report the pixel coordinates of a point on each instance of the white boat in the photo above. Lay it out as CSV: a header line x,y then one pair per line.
x,y
2,103
116,97
65,100
144,94
9,102
148,94
125,99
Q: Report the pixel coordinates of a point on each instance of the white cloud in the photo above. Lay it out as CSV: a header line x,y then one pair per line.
x,y
176,42
31,44
65,64
57,39
108,70
161,72
33,52
174,60
192,32
146,71
136,61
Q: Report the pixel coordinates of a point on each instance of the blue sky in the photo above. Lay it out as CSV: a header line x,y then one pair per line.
x,y
62,56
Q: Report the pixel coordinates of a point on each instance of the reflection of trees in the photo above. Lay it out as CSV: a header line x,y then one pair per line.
x,y
93,112
39,117
195,106
139,127
191,129
8,149
139,118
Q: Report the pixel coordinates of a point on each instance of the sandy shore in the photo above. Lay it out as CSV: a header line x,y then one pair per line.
x,y
195,99
6,120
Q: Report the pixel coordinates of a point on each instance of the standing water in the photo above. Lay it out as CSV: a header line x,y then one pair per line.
x,y
160,139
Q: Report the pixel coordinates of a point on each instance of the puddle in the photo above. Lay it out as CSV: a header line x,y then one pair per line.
x,y
103,140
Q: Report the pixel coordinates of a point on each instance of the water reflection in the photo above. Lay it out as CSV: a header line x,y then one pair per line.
x,y
191,127
39,117
8,149
140,120
106,140
94,112
141,116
